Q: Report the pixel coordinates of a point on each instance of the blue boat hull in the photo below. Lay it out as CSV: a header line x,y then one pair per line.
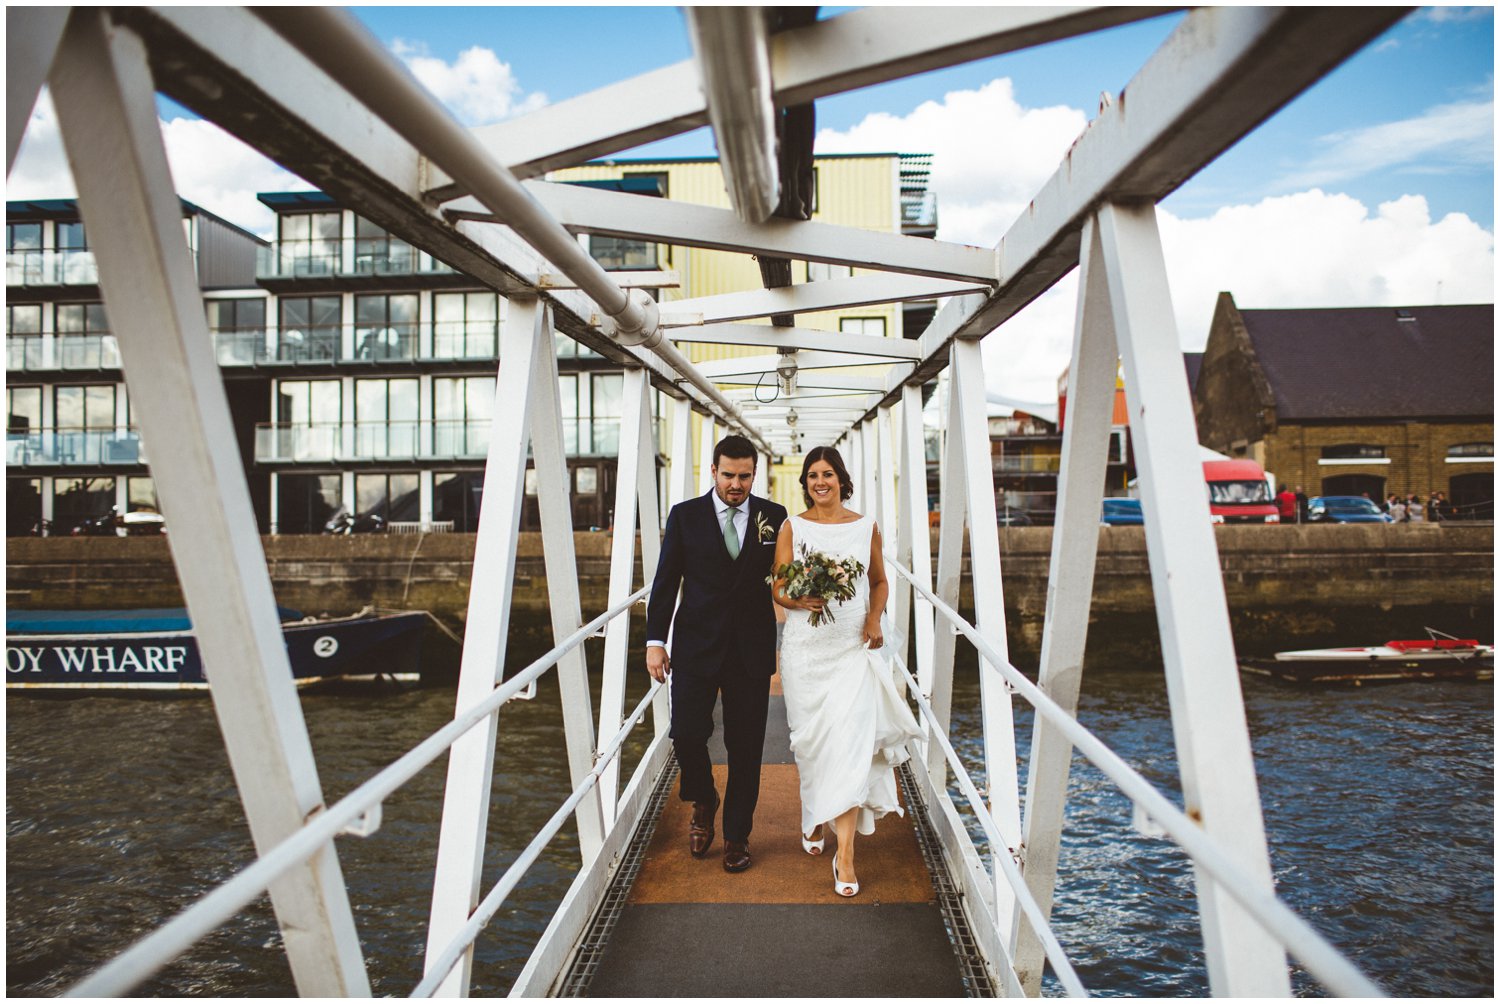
x,y
374,645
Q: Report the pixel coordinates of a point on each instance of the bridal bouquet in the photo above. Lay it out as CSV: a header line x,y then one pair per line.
x,y
820,577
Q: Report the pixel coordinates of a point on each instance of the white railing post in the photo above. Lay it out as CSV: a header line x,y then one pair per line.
x,y
972,429
682,452
1208,715
707,439
869,486
885,482
106,106
916,533
1070,584
555,505
953,510
466,799
635,410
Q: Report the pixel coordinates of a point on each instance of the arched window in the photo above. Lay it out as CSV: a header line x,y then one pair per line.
x,y
1472,495
1352,453
1460,453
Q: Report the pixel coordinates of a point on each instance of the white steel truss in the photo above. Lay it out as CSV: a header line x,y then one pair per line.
x,y
313,91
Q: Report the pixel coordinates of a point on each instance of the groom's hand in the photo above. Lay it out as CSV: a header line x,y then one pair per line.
x,y
658,663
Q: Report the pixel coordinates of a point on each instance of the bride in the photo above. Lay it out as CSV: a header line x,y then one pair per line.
x,y
849,726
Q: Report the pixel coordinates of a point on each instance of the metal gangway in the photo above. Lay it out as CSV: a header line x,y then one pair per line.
x,y
312,90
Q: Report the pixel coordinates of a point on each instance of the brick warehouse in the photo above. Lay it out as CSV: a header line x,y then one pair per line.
x,y
1344,401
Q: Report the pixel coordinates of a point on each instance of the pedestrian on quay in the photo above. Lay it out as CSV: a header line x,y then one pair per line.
x,y
1414,511
1301,505
1390,500
1397,510
1286,504
1435,506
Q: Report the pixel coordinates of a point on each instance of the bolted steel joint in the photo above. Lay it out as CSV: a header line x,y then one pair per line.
x,y
648,334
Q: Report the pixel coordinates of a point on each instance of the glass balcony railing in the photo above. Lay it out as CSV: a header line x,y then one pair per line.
x,y
356,343
73,447
312,259
65,352
286,442
50,268
1036,463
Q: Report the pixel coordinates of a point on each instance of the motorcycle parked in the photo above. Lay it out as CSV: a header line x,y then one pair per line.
x,y
345,523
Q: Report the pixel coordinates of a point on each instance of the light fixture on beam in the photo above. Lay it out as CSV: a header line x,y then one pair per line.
x,y
786,371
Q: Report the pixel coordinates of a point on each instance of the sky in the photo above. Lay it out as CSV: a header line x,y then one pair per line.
x,y
1374,187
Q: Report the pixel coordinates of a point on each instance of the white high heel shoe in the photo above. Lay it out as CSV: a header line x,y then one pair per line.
x,y
845,889
813,847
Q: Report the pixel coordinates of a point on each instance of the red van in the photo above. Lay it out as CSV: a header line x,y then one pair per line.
x,y
1238,492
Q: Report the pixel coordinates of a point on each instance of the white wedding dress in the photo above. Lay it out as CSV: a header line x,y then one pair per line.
x,y
849,724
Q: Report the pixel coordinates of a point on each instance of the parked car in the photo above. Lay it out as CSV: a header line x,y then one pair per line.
x,y
1344,509
1122,512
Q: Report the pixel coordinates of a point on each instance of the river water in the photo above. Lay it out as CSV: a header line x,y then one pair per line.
x,y
1379,806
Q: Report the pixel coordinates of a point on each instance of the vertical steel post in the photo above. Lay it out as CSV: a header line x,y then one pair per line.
x,y
106,105
471,763
973,432
869,486
1070,585
1203,686
954,507
635,418
682,453
915,529
555,505
708,438
885,480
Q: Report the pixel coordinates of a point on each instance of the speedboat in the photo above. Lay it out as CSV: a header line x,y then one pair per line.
x,y
1432,658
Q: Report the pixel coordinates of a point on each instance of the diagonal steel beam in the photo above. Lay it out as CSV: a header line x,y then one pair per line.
x,y
617,214
841,54
764,335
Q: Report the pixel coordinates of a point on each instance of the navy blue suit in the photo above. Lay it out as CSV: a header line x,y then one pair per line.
x,y
723,641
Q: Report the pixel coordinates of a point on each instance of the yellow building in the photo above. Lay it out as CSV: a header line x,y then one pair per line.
x,y
878,191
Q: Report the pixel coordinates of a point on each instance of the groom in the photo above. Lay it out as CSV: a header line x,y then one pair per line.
x,y
718,548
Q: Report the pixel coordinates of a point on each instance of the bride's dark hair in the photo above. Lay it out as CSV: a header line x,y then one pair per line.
x,y
831,456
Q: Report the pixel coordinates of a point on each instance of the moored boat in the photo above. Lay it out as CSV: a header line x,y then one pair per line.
x,y
156,649
1434,658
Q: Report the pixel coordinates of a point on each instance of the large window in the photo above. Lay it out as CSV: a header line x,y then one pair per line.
x,y
73,255
863,326
822,271
239,330
607,391
385,326
85,418
23,336
309,414
396,497
461,408
1352,453
306,502
83,338
466,325
140,495
24,261
309,328
309,244
77,499
376,252
23,507
385,418
23,436
1471,453
623,253
456,496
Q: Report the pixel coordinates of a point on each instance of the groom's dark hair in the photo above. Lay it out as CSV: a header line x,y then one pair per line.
x,y
735,448
832,458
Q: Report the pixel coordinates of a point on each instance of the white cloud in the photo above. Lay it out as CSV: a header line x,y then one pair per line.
x,y
210,168
990,154
1305,249
477,87
1445,137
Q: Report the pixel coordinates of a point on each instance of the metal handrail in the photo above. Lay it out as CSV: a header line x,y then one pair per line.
x,y
1277,919
1033,910
160,947
487,907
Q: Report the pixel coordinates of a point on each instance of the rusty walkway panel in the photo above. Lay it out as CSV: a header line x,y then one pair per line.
x,y
683,927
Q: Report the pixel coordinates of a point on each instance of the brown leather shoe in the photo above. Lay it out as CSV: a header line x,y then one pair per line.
x,y
736,856
701,828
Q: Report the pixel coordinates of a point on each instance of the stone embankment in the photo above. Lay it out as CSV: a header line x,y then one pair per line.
x,y
1312,584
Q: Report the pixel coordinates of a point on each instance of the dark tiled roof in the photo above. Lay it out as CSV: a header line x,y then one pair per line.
x,y
1377,362
1194,362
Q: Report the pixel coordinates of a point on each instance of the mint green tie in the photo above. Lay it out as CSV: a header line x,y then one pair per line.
x,y
731,539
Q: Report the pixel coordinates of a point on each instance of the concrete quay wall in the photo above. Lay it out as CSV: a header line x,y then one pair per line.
x,y
1309,583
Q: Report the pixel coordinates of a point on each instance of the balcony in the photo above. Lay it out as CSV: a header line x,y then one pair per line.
x,y
1026,463
61,352
73,447
348,258
51,268
326,343
457,439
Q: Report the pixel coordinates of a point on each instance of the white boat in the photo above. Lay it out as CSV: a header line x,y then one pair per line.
x,y
1432,658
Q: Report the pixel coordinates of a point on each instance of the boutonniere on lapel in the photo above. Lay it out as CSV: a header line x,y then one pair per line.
x,y
763,529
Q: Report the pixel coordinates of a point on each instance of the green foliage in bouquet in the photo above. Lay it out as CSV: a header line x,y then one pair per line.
x,y
820,577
